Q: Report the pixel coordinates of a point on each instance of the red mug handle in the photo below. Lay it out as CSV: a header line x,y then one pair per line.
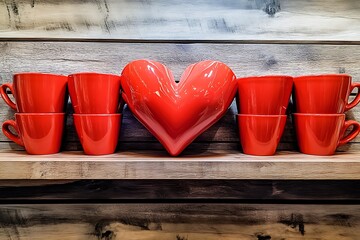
x,y
354,132
5,96
7,132
357,98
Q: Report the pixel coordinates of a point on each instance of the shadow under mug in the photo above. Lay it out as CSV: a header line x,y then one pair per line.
x,y
94,92
326,94
98,133
260,134
39,133
36,93
321,134
265,95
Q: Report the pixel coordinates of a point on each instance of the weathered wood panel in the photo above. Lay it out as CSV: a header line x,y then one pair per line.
x,y
158,165
244,59
178,19
179,221
314,191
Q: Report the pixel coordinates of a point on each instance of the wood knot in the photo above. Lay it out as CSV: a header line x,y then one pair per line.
x,y
262,236
178,237
107,235
272,7
102,233
342,70
295,221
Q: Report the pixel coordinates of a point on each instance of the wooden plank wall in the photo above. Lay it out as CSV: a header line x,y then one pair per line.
x,y
254,37
182,19
326,34
109,210
176,221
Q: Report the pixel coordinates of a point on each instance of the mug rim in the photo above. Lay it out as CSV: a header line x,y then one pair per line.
x,y
265,76
39,114
96,114
39,73
94,74
322,75
319,114
261,115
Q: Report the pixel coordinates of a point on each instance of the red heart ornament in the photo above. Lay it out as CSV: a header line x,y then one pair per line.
x,y
176,113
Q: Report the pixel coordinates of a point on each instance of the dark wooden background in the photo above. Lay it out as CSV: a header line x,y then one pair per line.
x,y
254,37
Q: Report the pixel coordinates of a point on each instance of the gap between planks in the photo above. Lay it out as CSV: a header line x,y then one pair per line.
x,y
182,41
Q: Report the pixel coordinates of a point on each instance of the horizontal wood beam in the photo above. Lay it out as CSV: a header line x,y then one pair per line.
x,y
179,221
181,41
311,20
158,165
265,191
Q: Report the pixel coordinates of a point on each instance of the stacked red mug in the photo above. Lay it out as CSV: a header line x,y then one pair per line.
x,y
40,102
95,98
262,103
320,102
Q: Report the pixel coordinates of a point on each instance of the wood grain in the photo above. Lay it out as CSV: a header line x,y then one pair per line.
x,y
244,59
313,191
177,19
158,165
179,221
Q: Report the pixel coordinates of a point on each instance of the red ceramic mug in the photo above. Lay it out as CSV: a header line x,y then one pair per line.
x,y
98,133
36,93
260,134
321,134
324,93
39,133
267,95
94,92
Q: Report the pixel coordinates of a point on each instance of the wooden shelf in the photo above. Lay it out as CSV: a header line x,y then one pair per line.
x,y
158,165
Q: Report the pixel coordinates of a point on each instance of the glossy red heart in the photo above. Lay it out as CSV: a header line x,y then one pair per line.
x,y
176,113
